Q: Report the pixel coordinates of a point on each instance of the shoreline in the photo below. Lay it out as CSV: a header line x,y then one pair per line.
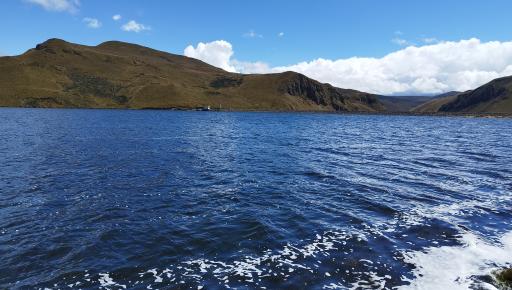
x,y
182,109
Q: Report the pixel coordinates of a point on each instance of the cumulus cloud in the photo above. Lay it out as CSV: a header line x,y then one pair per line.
x,y
217,53
441,67
116,17
435,68
57,5
133,26
92,22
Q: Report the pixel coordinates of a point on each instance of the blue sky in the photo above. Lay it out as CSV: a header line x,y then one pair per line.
x,y
326,29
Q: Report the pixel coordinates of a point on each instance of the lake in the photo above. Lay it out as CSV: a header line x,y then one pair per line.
x,y
118,199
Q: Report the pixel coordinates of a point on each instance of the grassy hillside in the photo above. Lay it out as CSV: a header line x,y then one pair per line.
x,y
121,75
400,104
493,97
433,105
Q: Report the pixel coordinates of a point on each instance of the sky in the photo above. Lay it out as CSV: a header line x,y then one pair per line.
x,y
387,47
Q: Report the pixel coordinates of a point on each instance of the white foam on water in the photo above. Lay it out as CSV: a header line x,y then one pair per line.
x,y
284,262
453,213
455,267
106,282
334,286
374,282
280,264
448,212
446,267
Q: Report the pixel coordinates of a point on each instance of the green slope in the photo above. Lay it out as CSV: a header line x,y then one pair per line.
x,y
122,75
493,97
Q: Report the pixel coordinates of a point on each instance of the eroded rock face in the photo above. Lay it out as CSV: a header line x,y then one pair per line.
x,y
300,85
323,94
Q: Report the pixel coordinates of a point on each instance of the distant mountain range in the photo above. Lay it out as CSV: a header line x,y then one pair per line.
x,y
114,74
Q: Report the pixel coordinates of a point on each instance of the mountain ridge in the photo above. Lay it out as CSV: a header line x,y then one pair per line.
x,y
115,74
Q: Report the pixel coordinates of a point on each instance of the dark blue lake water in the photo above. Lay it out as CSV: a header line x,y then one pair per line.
x,y
176,200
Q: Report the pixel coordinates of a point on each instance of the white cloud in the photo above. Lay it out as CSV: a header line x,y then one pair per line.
x,y
133,26
252,34
217,53
92,22
430,40
444,66
57,5
401,41
280,34
116,17
257,67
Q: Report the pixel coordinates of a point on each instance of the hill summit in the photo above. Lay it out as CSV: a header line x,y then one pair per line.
x,y
116,74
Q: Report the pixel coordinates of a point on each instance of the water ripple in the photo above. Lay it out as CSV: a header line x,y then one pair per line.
x,y
157,199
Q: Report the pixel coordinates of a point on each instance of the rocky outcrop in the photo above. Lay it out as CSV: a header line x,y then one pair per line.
x,y
325,94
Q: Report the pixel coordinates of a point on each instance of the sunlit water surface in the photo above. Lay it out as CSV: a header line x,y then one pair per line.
x,y
160,199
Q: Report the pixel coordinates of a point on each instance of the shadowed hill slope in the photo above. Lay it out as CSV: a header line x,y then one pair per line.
x,y
122,75
400,104
493,97
433,105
